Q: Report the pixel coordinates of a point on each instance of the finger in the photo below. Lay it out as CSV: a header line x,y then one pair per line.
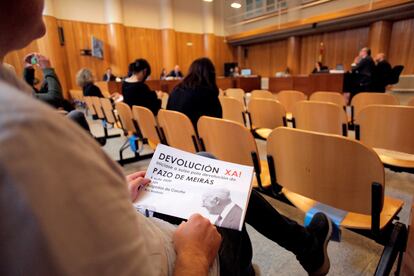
x,y
135,175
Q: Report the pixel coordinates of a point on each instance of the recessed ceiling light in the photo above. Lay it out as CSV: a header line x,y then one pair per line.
x,y
189,43
235,5
208,0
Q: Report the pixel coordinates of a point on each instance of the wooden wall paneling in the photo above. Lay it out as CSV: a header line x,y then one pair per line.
x,y
223,54
309,52
380,37
15,58
78,35
257,59
118,50
294,54
277,57
169,48
209,45
189,47
147,44
402,45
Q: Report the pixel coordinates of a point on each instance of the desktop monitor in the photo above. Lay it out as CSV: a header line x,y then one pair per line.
x,y
246,72
339,67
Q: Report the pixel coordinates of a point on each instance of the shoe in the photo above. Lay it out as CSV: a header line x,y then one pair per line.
x,y
316,260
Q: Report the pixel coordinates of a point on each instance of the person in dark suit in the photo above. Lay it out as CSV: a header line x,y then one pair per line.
x,y
136,92
176,73
108,75
383,71
363,70
85,78
319,67
218,202
197,94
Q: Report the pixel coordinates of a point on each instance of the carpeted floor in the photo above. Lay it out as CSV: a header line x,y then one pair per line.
x,y
354,255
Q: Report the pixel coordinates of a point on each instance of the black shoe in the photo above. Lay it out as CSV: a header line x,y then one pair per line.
x,y
316,260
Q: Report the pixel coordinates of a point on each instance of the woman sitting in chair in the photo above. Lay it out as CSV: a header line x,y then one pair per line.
x,y
197,94
85,79
136,92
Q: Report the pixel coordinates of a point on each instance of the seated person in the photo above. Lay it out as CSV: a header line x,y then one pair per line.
x,y
363,69
176,73
85,79
163,75
319,67
50,90
72,214
108,75
235,72
197,94
136,92
383,71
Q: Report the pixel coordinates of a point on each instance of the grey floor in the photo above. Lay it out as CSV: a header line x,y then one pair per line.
x,y
354,255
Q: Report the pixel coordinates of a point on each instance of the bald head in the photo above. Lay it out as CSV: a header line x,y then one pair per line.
x,y
216,200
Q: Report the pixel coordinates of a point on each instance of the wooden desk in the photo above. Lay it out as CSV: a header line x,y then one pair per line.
x,y
114,87
327,82
154,84
248,83
308,83
225,83
280,83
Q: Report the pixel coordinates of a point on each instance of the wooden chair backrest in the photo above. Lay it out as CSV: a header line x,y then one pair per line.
x,y
98,107
411,102
108,110
89,105
178,130
103,86
227,140
333,170
266,113
288,98
319,116
164,100
330,97
233,109
236,93
387,127
262,94
147,124
76,94
364,99
125,116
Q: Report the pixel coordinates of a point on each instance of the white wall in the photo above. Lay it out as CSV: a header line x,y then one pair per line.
x,y
142,13
187,14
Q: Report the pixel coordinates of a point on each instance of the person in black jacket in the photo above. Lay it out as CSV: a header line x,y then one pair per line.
x,y
136,92
197,94
176,73
319,67
363,69
108,75
383,71
84,78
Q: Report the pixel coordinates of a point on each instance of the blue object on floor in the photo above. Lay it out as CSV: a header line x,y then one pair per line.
x,y
133,143
336,216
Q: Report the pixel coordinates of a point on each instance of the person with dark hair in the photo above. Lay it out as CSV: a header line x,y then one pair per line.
x,y
319,67
363,68
197,94
383,71
136,92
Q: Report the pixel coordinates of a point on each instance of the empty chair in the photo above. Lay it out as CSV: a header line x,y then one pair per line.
x,y
98,108
164,100
89,105
330,97
233,142
233,109
333,170
178,130
147,125
236,93
109,111
288,98
323,117
263,94
364,99
266,115
389,130
411,102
